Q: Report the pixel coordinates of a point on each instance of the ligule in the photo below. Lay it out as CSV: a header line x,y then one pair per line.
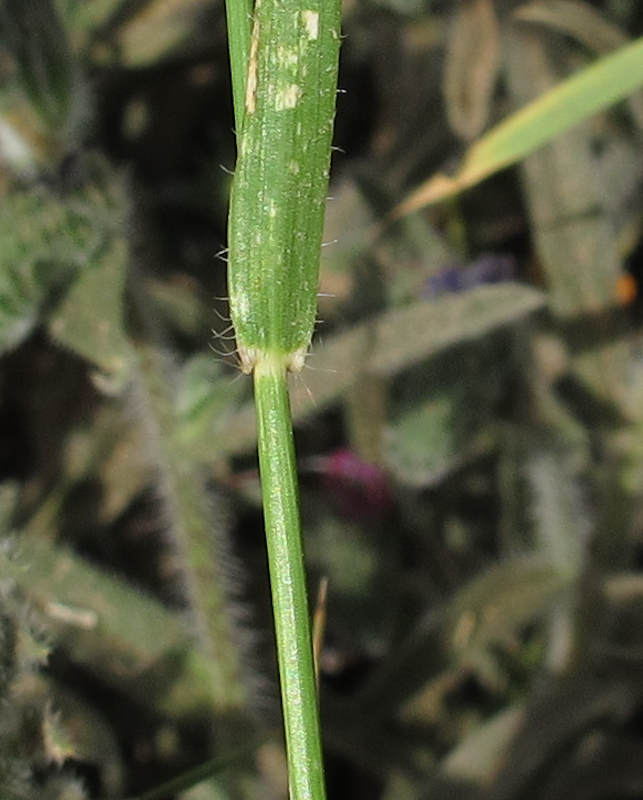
x,y
279,190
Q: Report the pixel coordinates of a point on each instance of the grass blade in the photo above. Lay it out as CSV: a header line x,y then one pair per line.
x,y
595,88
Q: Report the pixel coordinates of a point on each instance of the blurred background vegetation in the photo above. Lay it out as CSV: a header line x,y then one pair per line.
x,y
470,427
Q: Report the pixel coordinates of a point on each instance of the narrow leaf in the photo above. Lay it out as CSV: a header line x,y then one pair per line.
x,y
279,190
595,88
585,24
389,344
472,65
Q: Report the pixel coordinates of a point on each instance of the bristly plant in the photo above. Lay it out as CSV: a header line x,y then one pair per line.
x,y
453,522
284,115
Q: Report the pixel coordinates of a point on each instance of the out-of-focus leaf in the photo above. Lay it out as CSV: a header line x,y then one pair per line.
x,y
180,303
593,89
574,235
374,744
32,32
576,19
586,25
205,395
556,728
410,254
442,413
621,181
125,637
561,522
578,252
624,634
84,19
154,30
90,320
365,409
477,757
78,731
196,524
388,345
43,101
614,770
471,71
48,241
23,293
347,229
497,603
361,262
500,601
357,566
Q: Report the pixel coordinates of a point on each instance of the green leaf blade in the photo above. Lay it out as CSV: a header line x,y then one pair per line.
x,y
279,192
588,92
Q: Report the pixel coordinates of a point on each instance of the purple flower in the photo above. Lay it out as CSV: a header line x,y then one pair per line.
x,y
357,488
487,268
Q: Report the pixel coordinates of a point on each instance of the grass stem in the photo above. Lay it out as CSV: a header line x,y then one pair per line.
x,y
288,580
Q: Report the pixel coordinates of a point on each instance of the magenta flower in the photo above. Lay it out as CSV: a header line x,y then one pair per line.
x,y
357,488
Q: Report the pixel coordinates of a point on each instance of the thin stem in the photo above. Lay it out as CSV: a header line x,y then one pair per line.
x,y
239,19
288,580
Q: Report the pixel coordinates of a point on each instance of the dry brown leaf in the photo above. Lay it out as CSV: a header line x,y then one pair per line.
x,y
472,64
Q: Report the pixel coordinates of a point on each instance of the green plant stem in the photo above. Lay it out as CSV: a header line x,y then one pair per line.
x,y
239,20
288,580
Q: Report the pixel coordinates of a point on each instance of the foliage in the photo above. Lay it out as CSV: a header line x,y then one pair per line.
x,y
470,447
